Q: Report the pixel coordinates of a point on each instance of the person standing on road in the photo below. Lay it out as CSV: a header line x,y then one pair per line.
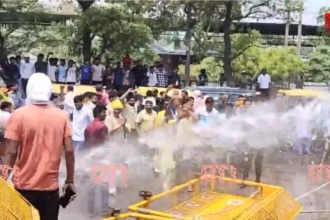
x,y
52,68
162,79
81,117
98,71
264,82
118,77
86,73
35,137
61,72
27,69
41,66
71,73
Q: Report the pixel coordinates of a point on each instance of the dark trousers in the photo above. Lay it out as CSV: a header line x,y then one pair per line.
x,y
138,82
85,82
264,93
46,202
24,84
97,83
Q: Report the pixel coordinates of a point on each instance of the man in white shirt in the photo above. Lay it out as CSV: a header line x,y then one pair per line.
x,y
27,69
51,69
304,128
264,81
6,109
68,100
71,73
98,71
152,77
208,111
81,117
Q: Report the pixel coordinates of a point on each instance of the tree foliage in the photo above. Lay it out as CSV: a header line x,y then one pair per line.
x,y
319,66
15,31
114,30
212,67
280,63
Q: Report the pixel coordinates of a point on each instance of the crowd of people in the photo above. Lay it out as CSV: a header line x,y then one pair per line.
x,y
37,134
122,74
51,126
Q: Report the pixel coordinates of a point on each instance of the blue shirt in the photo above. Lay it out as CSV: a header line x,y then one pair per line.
x,y
61,73
86,72
118,76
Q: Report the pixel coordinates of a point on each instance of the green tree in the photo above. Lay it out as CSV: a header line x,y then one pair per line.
x,y
211,66
16,29
114,30
319,66
280,63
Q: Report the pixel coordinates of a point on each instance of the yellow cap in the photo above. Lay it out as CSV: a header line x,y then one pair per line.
x,y
116,104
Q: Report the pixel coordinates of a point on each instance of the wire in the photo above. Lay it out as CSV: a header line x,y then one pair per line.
x,y
314,190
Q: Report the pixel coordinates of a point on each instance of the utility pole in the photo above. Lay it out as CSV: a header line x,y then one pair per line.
x,y
301,9
287,27
287,6
188,11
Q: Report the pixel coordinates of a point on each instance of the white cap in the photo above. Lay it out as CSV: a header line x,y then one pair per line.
x,y
197,93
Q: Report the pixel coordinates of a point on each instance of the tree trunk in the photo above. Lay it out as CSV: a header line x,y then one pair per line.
x,y
227,40
87,40
87,44
3,50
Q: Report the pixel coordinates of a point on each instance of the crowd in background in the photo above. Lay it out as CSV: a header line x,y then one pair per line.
x,y
122,74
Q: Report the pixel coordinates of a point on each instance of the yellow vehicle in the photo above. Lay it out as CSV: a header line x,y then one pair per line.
x,y
13,206
222,199
78,89
300,93
291,97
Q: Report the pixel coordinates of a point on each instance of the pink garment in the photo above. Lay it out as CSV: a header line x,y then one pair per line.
x,y
105,98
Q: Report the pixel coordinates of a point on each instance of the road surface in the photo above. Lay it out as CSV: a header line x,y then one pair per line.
x,y
287,170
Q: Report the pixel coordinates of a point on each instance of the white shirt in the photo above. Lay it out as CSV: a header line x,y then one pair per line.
x,y
68,102
27,69
90,105
80,121
4,118
264,81
72,75
204,115
152,79
51,72
304,126
98,70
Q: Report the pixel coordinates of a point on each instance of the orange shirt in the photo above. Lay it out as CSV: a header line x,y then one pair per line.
x,y
40,130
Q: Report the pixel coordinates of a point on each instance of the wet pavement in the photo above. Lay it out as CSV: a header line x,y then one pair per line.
x,y
284,169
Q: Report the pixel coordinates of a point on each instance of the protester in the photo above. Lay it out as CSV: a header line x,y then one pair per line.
x,y
36,136
145,120
71,73
82,116
6,108
264,82
162,79
98,71
27,69
86,73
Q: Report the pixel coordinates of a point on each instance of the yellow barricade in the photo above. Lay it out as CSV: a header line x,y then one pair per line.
x,y
222,199
13,206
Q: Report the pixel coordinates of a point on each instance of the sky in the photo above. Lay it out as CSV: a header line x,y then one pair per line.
x,y
311,10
